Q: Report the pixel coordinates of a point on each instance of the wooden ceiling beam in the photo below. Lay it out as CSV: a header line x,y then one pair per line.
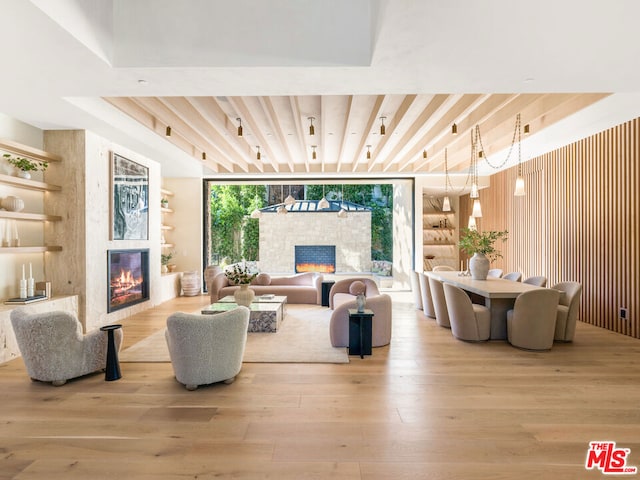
x,y
398,116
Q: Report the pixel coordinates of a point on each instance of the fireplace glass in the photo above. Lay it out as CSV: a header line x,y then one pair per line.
x,y
128,280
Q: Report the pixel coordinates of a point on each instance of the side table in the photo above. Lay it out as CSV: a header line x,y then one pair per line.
x,y
112,370
326,289
360,327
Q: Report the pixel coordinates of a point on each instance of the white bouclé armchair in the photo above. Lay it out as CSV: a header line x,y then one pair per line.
x,y
207,349
53,347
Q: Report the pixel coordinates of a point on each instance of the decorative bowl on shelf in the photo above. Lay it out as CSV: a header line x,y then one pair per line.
x,y
12,204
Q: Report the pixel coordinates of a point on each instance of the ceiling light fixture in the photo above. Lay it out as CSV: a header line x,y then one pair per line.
x,y
446,203
454,129
471,225
519,190
239,126
323,203
526,129
258,152
281,210
477,209
204,155
383,130
474,169
312,130
167,132
424,153
368,152
313,154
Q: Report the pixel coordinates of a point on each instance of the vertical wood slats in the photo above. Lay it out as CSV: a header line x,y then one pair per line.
x,y
578,222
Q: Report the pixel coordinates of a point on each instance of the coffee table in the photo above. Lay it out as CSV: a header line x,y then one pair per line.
x,y
263,317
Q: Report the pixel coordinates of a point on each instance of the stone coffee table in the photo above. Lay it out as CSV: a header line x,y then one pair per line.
x,y
265,316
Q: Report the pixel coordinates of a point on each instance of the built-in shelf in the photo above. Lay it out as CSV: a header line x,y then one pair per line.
x,y
166,210
28,184
25,151
167,227
41,217
439,244
48,248
166,192
167,245
447,229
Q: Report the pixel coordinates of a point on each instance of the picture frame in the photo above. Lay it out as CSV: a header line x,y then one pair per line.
x,y
129,199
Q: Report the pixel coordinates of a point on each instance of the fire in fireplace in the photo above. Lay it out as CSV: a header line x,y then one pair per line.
x,y
315,258
128,278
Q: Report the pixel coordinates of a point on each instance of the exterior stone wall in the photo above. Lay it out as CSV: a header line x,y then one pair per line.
x,y
279,234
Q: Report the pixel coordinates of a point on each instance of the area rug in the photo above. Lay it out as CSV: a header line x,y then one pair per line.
x,y
303,337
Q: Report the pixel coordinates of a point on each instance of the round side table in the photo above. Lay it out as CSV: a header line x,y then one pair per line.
x,y
112,369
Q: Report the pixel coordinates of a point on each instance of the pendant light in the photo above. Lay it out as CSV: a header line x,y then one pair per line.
x,y
312,130
446,203
289,200
281,210
368,152
239,126
454,129
472,223
474,169
477,209
167,132
323,203
343,211
519,191
313,154
258,152
383,130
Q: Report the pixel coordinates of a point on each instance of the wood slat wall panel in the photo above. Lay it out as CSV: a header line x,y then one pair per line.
x,y
577,222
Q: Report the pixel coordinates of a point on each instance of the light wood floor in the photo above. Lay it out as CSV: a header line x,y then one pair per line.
x,y
426,407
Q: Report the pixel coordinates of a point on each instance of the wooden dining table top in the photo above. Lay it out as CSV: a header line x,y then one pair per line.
x,y
491,287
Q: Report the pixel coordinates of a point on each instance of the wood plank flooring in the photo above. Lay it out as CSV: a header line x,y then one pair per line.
x,y
426,407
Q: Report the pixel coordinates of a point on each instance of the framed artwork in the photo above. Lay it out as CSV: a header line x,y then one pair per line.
x,y
130,199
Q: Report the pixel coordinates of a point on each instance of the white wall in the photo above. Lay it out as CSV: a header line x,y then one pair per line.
x,y
403,238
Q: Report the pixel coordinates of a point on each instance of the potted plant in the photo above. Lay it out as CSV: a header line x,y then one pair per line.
x,y
25,165
482,246
239,274
165,258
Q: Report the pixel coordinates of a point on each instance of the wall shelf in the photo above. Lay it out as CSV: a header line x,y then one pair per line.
x,y
36,249
25,151
167,245
41,217
28,184
167,227
166,210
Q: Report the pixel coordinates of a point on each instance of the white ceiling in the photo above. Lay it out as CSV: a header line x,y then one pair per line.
x,y
61,59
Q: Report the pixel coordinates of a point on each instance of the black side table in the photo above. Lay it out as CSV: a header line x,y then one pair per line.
x,y
360,327
326,289
112,370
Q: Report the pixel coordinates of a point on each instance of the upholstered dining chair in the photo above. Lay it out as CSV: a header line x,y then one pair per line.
x,y
567,310
513,276
469,321
439,303
532,322
495,272
415,288
443,268
207,349
538,281
53,347
425,293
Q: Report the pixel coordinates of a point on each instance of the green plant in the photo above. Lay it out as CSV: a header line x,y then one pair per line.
x,y
165,258
25,164
473,241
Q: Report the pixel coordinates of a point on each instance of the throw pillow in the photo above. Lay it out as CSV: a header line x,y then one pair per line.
x,y
357,287
263,279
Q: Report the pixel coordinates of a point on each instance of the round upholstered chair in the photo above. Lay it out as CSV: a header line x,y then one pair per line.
x,y
495,273
439,303
538,281
531,324
425,293
567,310
443,268
469,321
513,276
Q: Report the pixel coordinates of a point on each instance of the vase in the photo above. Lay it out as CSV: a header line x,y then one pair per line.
x,y
164,269
190,283
23,174
360,302
12,204
244,295
479,266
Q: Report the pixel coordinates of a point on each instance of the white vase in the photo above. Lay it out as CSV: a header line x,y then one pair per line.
x,y
190,283
23,174
244,295
12,204
479,266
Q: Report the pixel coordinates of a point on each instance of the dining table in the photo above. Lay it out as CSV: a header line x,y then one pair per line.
x,y
498,295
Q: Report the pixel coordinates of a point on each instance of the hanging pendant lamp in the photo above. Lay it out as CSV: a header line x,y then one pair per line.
x,y
323,203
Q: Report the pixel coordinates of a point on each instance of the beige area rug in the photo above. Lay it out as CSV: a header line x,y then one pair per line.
x,y
303,337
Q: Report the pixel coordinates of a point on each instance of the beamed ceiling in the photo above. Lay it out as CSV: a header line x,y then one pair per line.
x,y
345,125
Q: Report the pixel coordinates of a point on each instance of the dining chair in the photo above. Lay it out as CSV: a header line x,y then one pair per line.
x,y
415,288
538,281
425,293
443,268
439,303
567,310
513,276
495,272
532,322
469,321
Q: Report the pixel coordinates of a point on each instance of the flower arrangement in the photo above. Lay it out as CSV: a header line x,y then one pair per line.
x,y
239,274
25,164
473,241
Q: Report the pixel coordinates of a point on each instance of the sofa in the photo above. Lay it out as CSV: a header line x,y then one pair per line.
x,y
342,297
299,288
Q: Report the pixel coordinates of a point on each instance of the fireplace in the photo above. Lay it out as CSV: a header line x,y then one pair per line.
x,y
128,280
315,258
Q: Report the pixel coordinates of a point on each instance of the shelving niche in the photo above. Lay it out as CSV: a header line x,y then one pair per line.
x,y
28,184
439,235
